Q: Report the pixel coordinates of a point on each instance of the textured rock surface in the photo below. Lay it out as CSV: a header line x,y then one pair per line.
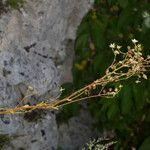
x,y
36,50
77,132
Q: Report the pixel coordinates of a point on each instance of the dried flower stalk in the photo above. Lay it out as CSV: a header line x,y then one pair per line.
x,y
131,64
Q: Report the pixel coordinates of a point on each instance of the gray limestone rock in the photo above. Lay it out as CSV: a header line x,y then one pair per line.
x,y
78,131
36,49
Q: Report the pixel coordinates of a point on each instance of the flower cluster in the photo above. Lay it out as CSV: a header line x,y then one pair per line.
x,y
133,62
99,144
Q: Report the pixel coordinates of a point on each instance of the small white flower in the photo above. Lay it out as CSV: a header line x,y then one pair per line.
x,y
137,81
128,47
116,52
120,86
112,45
116,89
139,45
146,14
118,47
145,76
61,89
134,41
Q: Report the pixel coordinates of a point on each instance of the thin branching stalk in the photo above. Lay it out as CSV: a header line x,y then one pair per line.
x,y
131,64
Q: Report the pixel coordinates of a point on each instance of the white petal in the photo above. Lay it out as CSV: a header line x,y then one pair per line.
x,y
134,41
112,45
118,47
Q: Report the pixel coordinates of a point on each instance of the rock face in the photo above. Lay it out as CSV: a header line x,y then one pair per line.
x,y
36,50
77,132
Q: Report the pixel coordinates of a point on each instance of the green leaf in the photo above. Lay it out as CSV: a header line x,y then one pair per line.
x,y
123,3
126,99
14,4
146,144
138,93
105,105
97,30
125,17
82,43
98,63
83,29
110,1
112,110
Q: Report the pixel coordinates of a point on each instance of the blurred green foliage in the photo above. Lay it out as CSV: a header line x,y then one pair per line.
x,y
14,4
4,139
128,114
7,5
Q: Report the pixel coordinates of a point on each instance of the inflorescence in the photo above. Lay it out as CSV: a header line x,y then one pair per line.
x,y
124,66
